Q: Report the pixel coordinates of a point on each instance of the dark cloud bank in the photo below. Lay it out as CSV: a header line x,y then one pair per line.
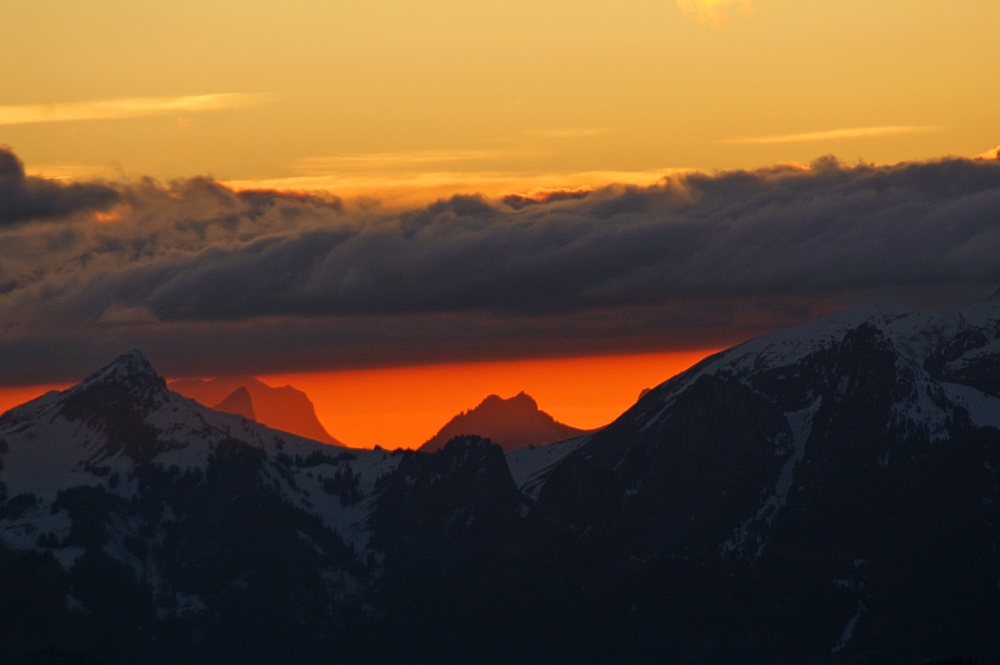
x,y
24,198
206,280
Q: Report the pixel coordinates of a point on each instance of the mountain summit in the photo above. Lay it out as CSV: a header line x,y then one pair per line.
x,y
129,369
511,423
238,402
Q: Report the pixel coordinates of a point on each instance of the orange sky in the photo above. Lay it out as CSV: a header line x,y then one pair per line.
x,y
398,102
403,407
396,95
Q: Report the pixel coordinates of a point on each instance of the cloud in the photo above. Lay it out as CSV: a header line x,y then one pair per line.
x,y
518,201
25,197
990,155
126,107
834,135
715,12
202,276
420,188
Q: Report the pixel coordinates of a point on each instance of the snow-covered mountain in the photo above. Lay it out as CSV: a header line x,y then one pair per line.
x,y
141,512
512,423
824,494
137,525
816,493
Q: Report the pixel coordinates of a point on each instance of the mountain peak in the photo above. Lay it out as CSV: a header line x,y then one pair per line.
x,y
511,423
285,408
522,401
130,369
239,402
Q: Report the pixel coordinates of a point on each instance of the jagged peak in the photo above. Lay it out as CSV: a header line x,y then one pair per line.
x,y
239,402
132,369
522,398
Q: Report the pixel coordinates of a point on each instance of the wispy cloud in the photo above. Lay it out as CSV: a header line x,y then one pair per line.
x,y
834,134
715,12
126,107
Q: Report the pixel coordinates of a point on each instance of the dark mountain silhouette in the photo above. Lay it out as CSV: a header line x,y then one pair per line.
x,y
510,423
285,408
238,402
827,494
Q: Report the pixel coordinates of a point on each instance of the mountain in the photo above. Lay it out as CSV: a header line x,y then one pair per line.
x,y
132,517
827,494
238,402
137,525
511,423
285,408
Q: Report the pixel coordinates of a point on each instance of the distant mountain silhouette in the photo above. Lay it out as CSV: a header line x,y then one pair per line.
x,y
511,423
285,408
238,402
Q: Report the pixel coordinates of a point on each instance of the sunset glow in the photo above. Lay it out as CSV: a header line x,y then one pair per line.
x,y
403,407
501,331
400,207
515,89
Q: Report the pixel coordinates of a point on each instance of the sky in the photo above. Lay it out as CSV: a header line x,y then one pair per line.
x,y
311,186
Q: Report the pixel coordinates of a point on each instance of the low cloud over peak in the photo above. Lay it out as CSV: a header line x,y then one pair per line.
x,y
282,281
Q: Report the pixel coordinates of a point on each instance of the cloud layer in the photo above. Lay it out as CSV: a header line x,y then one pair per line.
x,y
208,280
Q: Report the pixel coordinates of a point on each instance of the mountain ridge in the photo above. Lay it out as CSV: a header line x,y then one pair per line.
x,y
827,494
286,407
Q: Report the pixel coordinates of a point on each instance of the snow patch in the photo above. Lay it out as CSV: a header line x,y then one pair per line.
x,y
983,409
182,605
848,633
528,465
800,424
